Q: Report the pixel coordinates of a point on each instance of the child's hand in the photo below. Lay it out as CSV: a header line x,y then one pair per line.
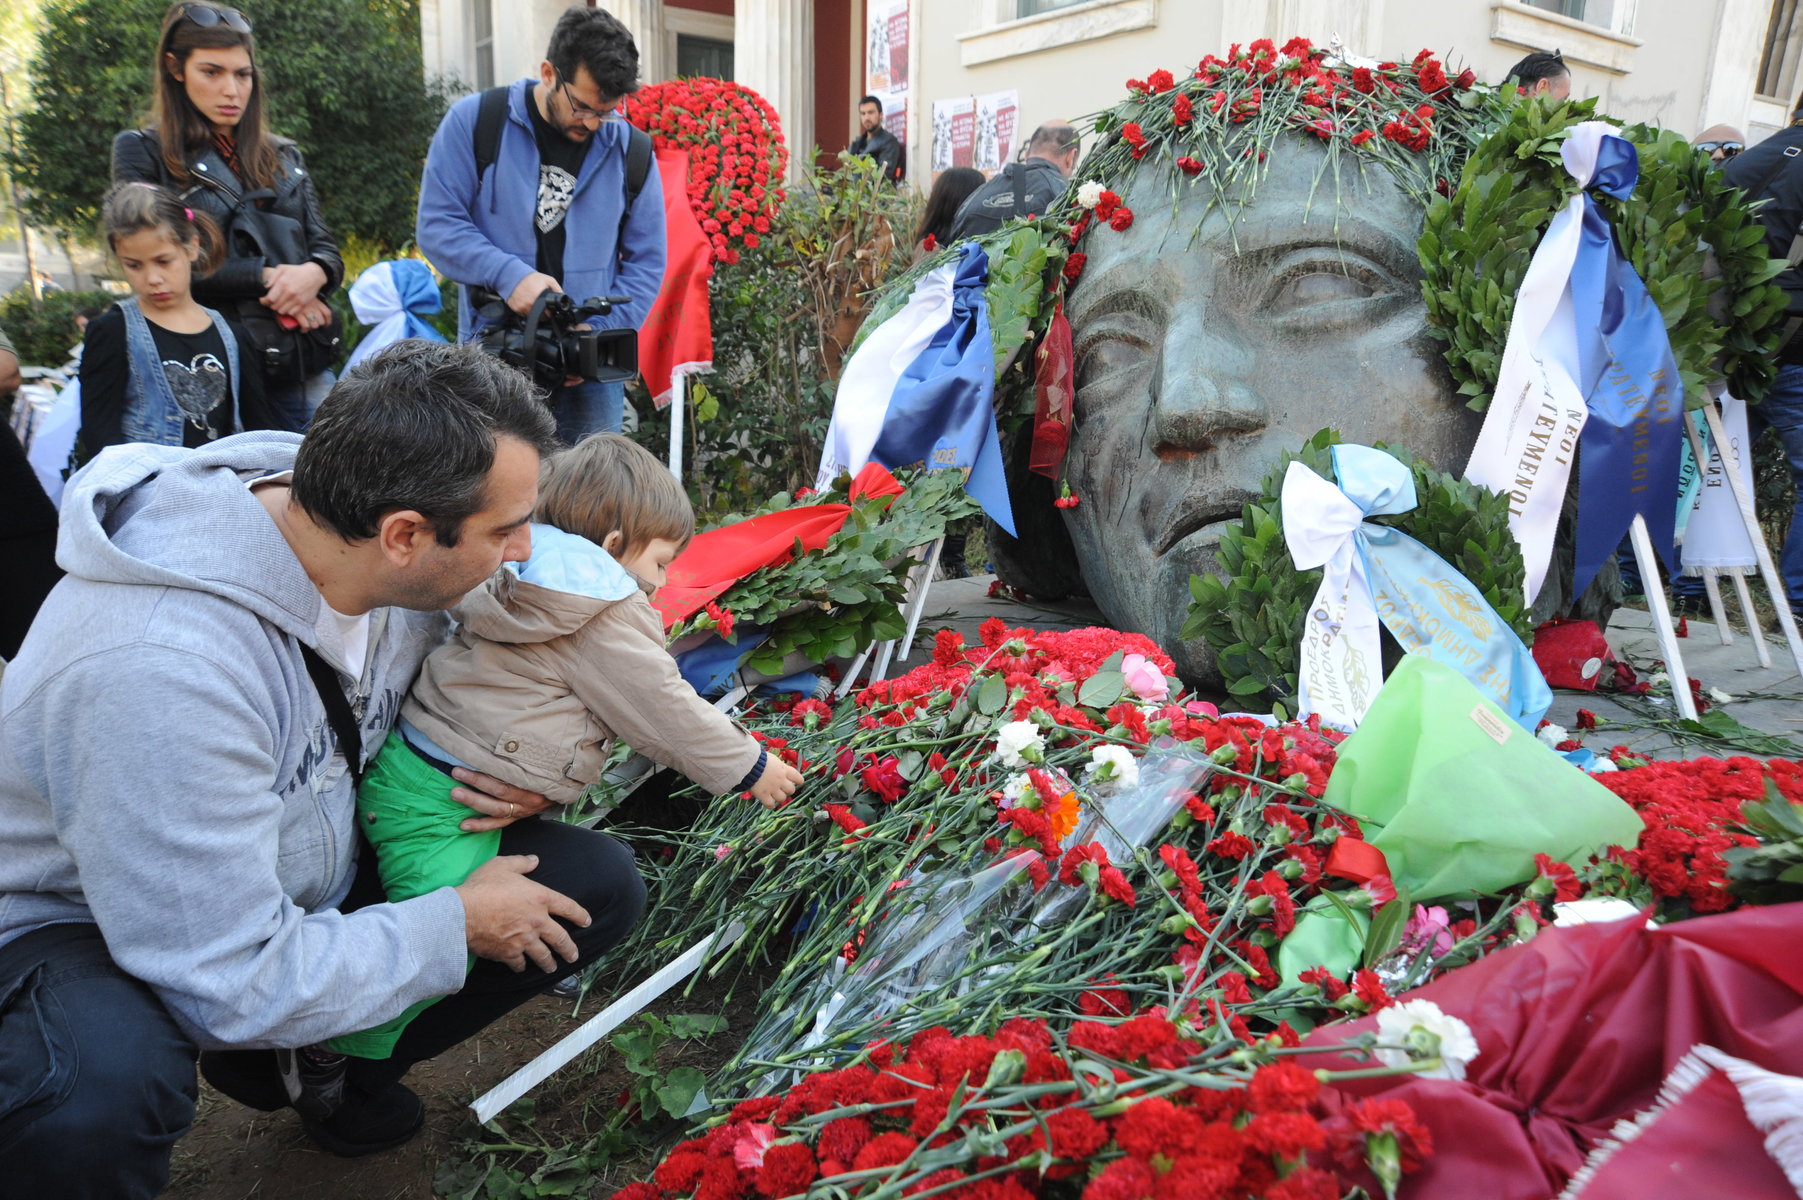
x,y
776,784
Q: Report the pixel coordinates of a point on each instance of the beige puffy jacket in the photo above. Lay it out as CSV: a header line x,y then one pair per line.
x,y
537,681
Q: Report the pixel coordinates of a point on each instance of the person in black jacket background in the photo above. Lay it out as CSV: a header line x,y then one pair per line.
x,y
876,143
208,144
1772,171
27,527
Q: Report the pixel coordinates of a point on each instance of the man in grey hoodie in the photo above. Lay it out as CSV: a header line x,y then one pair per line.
x,y
178,848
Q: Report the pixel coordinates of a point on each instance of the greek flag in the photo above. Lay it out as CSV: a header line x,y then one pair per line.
x,y
920,391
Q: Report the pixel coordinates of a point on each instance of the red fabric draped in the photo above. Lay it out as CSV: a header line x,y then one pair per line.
x,y
1577,1029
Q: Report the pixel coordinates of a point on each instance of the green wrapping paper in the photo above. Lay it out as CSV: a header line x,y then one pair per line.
x,y
1458,797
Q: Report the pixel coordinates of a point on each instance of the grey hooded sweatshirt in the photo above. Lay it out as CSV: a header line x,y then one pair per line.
x,y
167,771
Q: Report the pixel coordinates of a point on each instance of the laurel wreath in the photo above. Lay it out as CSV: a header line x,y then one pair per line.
x,y
1476,245
1251,615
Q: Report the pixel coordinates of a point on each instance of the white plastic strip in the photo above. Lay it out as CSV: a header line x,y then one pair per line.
x,y
1662,618
489,1105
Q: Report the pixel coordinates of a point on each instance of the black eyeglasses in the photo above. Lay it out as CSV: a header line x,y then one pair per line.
x,y
206,16
583,112
1728,149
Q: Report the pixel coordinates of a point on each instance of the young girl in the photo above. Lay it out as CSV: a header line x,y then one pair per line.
x,y
159,367
553,659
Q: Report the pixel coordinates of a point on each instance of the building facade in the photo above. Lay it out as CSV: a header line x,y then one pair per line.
x,y
1684,64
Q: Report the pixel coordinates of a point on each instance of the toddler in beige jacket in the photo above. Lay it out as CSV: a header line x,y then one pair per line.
x,y
553,659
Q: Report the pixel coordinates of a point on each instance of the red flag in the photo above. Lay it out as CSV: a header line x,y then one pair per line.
x,y
677,338
715,560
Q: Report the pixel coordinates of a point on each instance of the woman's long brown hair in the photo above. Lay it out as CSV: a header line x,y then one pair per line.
x,y
181,129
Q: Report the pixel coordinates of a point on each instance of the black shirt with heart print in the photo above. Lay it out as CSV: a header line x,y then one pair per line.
x,y
194,365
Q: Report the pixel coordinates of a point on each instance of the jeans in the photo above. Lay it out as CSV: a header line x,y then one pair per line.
x,y
294,401
97,1082
1782,410
585,408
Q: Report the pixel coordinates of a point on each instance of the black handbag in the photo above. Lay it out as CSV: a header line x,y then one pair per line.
x,y
284,354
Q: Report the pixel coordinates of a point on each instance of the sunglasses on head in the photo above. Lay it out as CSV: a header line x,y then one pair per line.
x,y
1728,149
206,16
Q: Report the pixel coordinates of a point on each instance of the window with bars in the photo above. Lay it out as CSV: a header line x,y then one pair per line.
x,y
482,41
1778,64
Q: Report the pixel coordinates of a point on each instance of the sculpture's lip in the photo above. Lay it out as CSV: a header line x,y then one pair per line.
x,y
1198,512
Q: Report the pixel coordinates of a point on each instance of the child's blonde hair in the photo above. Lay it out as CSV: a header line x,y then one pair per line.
x,y
134,207
608,481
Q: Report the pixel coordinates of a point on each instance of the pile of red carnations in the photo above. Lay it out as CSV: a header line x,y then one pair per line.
x,y
1138,1110
1693,813
736,154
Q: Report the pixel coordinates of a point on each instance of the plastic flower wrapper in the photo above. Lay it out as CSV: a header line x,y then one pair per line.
x,y
953,936
1458,798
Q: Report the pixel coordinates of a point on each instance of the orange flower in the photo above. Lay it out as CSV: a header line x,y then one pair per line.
x,y
1061,814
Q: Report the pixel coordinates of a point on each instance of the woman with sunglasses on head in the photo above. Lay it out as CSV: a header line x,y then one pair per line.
x,y
209,143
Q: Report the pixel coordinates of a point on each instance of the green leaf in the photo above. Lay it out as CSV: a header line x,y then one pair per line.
x,y
678,1090
696,1025
992,695
1102,689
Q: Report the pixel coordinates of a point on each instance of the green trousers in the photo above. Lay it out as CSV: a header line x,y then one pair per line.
x,y
406,811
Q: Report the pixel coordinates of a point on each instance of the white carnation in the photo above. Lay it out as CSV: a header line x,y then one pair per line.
x,y
1602,765
1552,734
1015,790
1113,764
1018,744
1419,1030
1090,194
1720,697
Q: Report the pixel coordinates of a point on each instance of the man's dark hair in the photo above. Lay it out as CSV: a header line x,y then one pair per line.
x,y
871,100
593,38
414,427
1053,138
1535,67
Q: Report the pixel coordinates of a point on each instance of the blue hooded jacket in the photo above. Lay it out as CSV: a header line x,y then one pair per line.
x,y
486,235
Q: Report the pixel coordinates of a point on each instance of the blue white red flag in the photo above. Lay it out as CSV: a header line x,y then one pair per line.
x,y
920,391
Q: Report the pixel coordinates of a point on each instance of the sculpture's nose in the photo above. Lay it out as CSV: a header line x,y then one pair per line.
x,y
1201,387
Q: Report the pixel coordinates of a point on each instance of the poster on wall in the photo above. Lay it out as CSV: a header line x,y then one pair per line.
x,y
997,124
954,129
886,47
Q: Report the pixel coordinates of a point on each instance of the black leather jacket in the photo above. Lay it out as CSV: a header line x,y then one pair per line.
x,y
213,189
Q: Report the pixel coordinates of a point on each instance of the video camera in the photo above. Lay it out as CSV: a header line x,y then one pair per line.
x,y
546,343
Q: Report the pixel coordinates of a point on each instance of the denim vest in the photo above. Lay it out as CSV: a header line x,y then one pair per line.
x,y
151,413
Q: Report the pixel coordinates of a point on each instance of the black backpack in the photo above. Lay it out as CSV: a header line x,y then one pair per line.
x,y
491,112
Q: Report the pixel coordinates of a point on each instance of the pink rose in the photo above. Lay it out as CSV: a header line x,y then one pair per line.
x,y
1143,679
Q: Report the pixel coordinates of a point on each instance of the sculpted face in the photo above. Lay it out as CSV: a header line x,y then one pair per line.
x,y
1204,353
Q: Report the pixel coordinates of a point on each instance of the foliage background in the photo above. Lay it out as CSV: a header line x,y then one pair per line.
x,y
343,78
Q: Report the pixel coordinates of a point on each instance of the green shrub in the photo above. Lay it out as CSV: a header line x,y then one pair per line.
x,y
44,330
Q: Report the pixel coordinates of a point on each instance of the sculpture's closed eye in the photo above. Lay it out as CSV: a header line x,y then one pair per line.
x,y
1327,287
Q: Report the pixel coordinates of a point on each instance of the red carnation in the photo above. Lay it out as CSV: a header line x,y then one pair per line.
x,y
1160,80
1182,111
884,1150
1073,267
1190,166
1122,218
843,818
787,1171
1362,136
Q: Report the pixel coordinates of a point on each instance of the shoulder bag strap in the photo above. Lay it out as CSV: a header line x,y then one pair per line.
x,y
338,711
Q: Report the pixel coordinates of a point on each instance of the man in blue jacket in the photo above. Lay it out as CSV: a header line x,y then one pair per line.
x,y
555,209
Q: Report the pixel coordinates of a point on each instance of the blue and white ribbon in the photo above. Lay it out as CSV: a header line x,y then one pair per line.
x,y
389,296
1376,573
920,390
1587,365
